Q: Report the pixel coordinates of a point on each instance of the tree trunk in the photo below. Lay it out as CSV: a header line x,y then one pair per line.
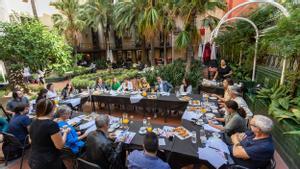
x,y
144,51
165,48
151,57
189,53
16,79
34,11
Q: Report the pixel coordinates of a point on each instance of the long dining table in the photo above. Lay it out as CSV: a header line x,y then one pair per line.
x,y
178,152
163,102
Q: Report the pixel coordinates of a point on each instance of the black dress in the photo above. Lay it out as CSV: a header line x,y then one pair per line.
x,y
44,154
224,71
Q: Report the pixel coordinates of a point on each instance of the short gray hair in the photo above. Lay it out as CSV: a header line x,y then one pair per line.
x,y
62,110
101,120
235,90
264,123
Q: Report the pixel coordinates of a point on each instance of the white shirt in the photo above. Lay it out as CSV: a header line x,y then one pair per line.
x,y
242,104
129,86
51,94
161,87
188,89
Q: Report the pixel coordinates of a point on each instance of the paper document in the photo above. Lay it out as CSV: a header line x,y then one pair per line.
x,y
113,119
214,157
74,102
217,144
86,125
161,142
189,115
74,120
135,98
207,127
127,135
92,128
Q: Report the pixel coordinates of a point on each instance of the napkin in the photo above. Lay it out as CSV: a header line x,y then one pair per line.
x,y
135,98
207,127
214,157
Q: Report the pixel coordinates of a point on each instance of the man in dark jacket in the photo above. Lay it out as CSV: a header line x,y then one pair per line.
x,y
100,148
163,86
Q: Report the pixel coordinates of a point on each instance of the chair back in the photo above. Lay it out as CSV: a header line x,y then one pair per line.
x,y
11,140
83,164
5,113
272,164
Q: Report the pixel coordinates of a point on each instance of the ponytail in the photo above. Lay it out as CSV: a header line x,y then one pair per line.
x,y
242,112
233,105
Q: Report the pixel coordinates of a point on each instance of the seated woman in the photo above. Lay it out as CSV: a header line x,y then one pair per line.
x,y
186,87
3,124
135,83
224,71
68,91
115,84
144,85
73,139
46,138
100,85
41,95
226,83
234,121
126,85
255,148
19,124
51,94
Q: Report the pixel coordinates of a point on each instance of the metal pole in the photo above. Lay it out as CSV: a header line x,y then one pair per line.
x,y
271,2
254,59
256,41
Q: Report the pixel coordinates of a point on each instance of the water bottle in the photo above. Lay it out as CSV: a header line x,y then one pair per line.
x,y
194,137
144,122
203,136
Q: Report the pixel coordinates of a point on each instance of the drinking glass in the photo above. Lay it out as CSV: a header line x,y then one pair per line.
x,y
194,137
203,136
125,120
149,126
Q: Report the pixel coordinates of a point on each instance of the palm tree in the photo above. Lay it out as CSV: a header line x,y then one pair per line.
x,y
69,21
189,9
167,9
140,15
99,13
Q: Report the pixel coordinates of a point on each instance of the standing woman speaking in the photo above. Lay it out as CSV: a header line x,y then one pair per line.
x,y
46,138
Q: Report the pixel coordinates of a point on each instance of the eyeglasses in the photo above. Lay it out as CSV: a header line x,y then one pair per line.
x,y
253,125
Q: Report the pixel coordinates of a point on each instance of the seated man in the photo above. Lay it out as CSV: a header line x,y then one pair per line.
x,y
254,149
18,98
163,86
99,146
19,124
126,85
74,139
147,158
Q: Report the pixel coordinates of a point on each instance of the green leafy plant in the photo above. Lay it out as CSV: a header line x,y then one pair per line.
x,y
31,44
88,80
174,73
281,104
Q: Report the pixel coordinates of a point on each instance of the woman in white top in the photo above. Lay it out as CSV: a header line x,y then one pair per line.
x,y
226,83
186,87
126,85
51,94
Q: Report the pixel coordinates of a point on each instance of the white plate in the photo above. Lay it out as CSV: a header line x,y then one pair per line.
x,y
210,115
183,138
115,125
142,131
